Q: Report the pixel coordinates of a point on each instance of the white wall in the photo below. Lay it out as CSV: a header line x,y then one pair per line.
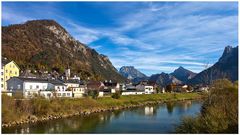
x,y
36,86
60,87
148,89
131,93
72,85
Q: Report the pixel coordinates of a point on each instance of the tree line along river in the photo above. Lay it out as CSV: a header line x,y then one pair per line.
x,y
161,118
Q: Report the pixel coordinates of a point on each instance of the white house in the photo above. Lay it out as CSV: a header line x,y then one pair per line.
x,y
76,87
146,88
60,89
31,86
79,91
112,87
28,86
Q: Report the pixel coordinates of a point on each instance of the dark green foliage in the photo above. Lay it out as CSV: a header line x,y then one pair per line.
x,y
116,95
169,88
219,113
93,93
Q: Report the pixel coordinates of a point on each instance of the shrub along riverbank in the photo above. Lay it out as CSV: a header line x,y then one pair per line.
x,y
17,111
219,113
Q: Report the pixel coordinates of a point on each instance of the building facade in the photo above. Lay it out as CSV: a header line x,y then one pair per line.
x,y
9,69
29,87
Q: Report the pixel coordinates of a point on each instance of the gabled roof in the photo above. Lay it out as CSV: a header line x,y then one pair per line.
x,y
5,61
32,79
41,80
56,82
73,81
27,74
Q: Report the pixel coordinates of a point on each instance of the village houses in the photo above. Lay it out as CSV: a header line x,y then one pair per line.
x,y
29,87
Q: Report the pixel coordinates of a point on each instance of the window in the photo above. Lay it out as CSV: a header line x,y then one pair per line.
x,y
6,71
15,73
68,94
1,79
19,86
58,87
1,73
63,87
6,77
59,94
64,94
13,66
10,71
10,65
37,86
30,86
2,85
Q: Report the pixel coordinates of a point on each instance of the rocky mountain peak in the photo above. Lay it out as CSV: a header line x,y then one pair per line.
x,y
226,67
183,74
131,72
227,50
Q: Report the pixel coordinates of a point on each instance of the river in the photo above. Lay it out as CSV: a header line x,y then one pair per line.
x,y
162,118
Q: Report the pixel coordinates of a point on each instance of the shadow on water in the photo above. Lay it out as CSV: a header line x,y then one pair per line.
x,y
160,118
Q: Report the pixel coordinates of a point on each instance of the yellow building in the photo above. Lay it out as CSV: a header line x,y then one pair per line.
x,y
9,69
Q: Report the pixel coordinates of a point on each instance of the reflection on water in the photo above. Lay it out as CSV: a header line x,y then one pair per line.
x,y
148,119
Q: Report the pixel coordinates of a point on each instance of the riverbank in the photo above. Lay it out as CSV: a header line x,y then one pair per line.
x,y
17,112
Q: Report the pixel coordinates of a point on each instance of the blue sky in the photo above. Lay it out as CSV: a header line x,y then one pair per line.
x,y
153,37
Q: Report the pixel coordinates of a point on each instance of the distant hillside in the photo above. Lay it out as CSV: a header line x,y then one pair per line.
x,y
46,45
132,74
164,79
183,74
226,67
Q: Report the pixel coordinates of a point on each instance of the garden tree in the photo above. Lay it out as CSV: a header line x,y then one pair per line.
x,y
189,88
157,89
116,95
93,93
169,88
219,113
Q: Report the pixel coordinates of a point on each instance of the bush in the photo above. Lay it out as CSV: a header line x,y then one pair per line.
x,y
219,113
93,93
116,95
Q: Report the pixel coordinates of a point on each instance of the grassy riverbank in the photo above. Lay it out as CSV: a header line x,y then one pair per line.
x,y
24,111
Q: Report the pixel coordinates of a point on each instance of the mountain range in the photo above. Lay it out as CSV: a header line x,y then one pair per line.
x,y
179,76
226,67
44,45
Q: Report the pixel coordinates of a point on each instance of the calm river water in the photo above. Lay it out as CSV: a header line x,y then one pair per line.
x,y
162,118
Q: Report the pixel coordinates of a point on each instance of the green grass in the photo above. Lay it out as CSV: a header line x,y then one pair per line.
x,y
13,110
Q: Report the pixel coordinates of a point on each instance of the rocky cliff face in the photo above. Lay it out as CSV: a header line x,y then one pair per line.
x,y
164,79
45,45
183,74
226,67
132,74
